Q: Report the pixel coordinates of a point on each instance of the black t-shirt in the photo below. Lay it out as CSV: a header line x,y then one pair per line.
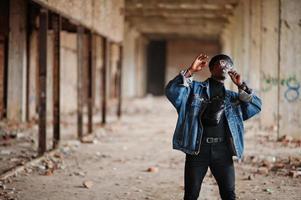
x,y
213,117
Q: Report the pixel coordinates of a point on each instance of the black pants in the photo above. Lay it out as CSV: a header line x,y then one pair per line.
x,y
216,156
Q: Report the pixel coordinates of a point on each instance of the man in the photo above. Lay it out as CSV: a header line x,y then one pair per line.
x,y
209,128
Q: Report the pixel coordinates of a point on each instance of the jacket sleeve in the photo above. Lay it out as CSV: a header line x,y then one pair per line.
x,y
177,90
249,101
250,104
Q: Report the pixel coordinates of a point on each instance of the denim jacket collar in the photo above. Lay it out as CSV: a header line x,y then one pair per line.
x,y
206,84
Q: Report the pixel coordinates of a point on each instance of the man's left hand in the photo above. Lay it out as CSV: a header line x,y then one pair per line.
x,y
235,77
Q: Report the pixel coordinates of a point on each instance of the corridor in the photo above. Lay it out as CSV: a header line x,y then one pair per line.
x,y
83,111
132,159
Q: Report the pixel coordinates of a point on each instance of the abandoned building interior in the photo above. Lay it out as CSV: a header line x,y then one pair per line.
x,y
85,58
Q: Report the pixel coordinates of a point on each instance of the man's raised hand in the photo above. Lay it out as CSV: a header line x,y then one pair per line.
x,y
235,77
199,63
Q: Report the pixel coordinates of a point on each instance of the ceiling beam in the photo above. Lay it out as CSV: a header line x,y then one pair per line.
x,y
203,30
177,21
174,7
181,36
177,12
177,2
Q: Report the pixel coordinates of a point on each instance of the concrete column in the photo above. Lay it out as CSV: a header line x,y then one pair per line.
x,y
238,38
33,75
289,81
129,62
80,32
68,72
231,41
17,61
255,36
141,66
246,36
269,62
227,42
98,70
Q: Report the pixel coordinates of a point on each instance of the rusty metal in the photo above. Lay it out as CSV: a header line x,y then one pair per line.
x,y
42,79
2,66
94,58
28,34
31,14
119,72
80,62
90,87
105,57
56,26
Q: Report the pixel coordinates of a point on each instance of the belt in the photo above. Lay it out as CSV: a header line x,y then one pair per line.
x,y
213,139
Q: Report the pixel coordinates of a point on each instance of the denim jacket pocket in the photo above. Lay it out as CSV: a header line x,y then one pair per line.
x,y
198,100
236,108
195,104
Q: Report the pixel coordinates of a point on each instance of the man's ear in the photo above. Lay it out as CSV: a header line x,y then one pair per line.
x,y
212,68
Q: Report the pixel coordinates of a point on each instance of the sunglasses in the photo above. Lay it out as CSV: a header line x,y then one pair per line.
x,y
226,66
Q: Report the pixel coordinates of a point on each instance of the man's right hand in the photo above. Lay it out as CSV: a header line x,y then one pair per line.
x,y
199,63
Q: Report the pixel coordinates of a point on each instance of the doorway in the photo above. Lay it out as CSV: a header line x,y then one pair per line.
x,y
156,67
4,30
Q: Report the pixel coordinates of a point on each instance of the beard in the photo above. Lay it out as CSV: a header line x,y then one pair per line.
x,y
221,77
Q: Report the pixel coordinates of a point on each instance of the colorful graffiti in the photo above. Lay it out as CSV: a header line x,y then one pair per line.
x,y
292,91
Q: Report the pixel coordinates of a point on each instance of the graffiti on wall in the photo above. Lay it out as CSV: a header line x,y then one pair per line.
x,y
291,84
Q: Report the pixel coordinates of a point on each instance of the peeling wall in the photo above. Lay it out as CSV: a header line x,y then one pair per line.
x,y
269,62
17,61
98,42
68,93
68,70
289,79
104,17
264,39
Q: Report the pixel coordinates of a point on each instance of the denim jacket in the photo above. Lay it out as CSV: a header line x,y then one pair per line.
x,y
188,97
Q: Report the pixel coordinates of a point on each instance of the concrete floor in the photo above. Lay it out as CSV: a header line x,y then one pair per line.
x,y
117,164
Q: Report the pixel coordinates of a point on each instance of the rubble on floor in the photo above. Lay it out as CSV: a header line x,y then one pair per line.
x,y
290,166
